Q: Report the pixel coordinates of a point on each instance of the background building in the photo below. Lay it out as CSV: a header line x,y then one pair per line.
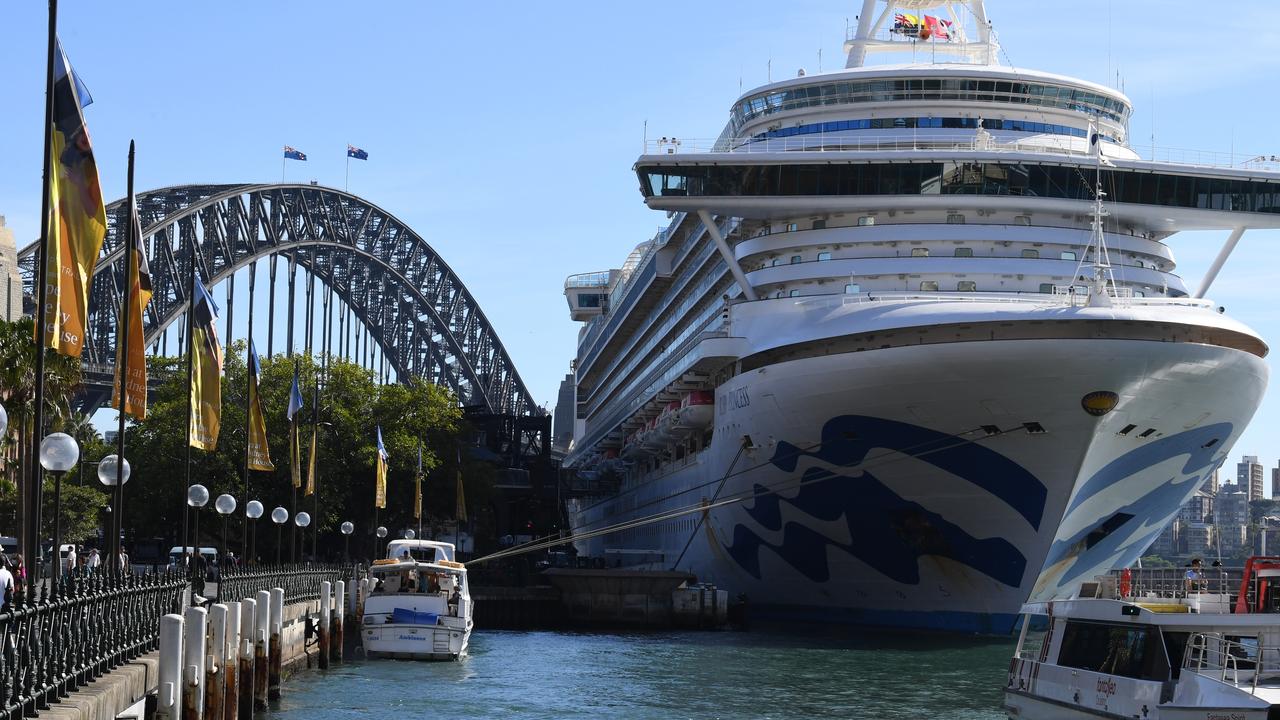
x,y
1275,481
10,280
1249,476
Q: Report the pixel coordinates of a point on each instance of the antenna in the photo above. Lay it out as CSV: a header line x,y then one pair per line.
x,y
819,59
769,70
1099,296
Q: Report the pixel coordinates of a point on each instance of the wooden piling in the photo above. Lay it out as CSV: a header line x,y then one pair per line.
x,y
215,642
260,651
326,599
339,610
275,652
230,663
247,624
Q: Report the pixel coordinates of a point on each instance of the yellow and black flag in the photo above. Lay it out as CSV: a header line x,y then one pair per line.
x,y
206,371
137,297
259,451
380,474
295,451
311,462
78,221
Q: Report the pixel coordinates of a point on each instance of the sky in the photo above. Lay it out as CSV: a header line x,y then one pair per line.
x,y
504,133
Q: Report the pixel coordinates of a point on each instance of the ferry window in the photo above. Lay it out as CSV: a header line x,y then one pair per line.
x,y
967,286
775,262
964,252
792,227
928,286
1068,255
819,224
825,255
1046,288
920,252
1126,650
1030,253
795,259
852,289
794,293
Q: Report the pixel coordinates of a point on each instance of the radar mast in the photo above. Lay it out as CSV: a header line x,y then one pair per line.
x,y
948,30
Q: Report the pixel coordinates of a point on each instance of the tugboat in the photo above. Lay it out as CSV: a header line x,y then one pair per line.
x,y
1188,644
419,605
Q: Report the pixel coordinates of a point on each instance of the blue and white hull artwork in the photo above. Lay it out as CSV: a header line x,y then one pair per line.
x,y
912,350
923,485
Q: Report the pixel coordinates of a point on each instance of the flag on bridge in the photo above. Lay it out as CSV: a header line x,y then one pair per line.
x,y
259,452
292,154
295,451
380,474
357,153
206,371
78,221
137,297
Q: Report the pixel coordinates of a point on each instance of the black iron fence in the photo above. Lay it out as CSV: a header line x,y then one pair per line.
x,y
300,582
52,644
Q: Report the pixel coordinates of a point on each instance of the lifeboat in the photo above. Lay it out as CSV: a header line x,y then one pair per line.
x,y
697,410
651,439
631,449
665,428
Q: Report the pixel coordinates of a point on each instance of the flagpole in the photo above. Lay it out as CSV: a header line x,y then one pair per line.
x,y
315,481
191,368
419,491
283,158
346,181
130,277
35,476
248,409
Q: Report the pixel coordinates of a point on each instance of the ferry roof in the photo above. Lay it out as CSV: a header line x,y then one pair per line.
x,y
912,70
1139,612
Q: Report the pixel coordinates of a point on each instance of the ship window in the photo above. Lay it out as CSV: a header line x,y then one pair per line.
x,y
792,227
852,288
795,259
775,262
1029,253
825,255
967,286
964,252
1046,288
866,220
794,293
919,252
1068,255
928,286
819,224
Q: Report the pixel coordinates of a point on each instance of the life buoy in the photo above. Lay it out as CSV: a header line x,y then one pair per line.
x,y
1126,582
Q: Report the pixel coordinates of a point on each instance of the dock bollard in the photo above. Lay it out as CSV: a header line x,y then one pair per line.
x,y
326,599
246,657
230,657
339,609
261,630
275,651
193,664
169,688
215,646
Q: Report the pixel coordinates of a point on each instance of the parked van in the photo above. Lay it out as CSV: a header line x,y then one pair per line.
x,y
209,554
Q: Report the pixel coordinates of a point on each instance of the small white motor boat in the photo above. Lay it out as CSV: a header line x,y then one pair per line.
x,y
419,604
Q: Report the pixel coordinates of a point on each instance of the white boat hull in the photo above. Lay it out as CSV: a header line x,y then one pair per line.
x,y
416,642
894,506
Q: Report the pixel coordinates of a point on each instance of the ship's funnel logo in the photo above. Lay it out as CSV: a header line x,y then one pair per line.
x,y
885,530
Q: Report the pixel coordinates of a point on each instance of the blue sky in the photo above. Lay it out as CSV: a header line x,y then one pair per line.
x,y
504,133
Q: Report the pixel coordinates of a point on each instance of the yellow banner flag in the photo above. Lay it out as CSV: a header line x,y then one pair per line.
x,y
311,464
78,221
138,295
380,474
259,451
295,448
206,376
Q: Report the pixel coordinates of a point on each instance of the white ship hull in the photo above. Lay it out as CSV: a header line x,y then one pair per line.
x,y
418,642
910,491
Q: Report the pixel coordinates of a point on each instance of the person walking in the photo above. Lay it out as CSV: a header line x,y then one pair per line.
x,y
69,564
19,571
92,562
6,583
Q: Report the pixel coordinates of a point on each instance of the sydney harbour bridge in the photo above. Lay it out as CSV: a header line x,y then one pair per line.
x,y
408,303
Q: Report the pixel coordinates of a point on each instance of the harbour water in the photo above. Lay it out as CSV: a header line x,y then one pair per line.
x,y
670,675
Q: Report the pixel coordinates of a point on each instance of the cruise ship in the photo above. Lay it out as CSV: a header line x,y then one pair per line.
x,y
911,350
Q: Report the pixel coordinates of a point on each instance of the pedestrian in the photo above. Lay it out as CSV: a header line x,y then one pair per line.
x,y
19,573
6,583
92,562
123,562
69,564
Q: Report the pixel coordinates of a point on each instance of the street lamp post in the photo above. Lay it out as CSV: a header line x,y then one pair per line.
x,y
197,497
347,529
253,511
302,520
58,454
113,470
279,516
381,532
225,505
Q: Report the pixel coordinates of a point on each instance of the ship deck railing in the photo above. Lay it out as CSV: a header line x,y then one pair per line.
x,y
1062,295
1167,583
1243,662
930,140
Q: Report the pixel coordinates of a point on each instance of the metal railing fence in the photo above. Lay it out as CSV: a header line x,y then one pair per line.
x,y
52,644
300,582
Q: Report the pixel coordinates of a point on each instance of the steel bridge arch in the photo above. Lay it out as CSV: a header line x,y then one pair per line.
x,y
414,306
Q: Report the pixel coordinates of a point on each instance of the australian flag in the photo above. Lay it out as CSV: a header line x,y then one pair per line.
x,y
293,154
357,153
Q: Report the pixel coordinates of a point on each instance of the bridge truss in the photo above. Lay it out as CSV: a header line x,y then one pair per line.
x,y
425,322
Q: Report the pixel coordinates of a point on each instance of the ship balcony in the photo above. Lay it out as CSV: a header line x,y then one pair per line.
x,y
588,293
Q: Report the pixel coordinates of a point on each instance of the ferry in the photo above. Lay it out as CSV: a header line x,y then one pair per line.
x,y
1198,647
928,333
419,605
